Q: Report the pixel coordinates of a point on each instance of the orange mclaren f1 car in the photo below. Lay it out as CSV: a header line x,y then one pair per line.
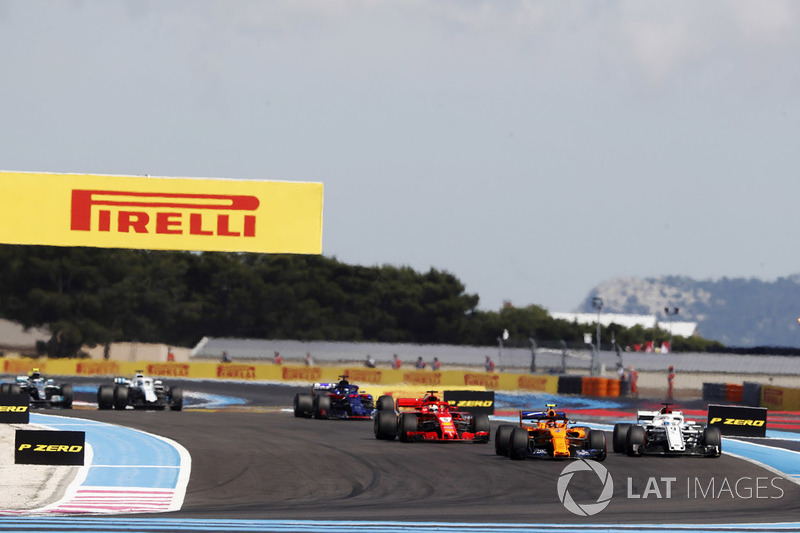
x,y
549,434
430,419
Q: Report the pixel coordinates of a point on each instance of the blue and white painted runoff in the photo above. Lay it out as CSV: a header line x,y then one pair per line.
x,y
126,471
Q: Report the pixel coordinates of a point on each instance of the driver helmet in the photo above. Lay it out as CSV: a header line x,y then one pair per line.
x,y
35,374
434,408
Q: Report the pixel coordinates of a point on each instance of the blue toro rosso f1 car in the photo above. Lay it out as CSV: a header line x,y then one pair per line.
x,y
334,400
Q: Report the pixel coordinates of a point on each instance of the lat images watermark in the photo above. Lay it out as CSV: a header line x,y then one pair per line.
x,y
586,509
663,487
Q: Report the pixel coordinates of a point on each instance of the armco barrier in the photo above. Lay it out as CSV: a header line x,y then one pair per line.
x,y
433,380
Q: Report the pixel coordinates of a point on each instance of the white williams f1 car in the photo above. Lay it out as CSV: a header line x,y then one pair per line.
x,y
141,392
666,432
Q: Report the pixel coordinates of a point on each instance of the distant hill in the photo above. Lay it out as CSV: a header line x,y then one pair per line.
x,y
734,311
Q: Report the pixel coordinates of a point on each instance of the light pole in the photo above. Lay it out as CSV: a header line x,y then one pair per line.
x,y
500,339
670,313
533,354
597,303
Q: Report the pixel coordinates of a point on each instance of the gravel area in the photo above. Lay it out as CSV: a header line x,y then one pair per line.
x,y
28,487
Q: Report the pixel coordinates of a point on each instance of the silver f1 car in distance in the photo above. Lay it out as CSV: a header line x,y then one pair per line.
x,y
666,432
43,392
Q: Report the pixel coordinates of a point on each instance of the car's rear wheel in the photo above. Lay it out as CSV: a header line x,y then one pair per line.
x,y
407,424
618,439
501,439
303,405
713,437
597,441
121,393
105,397
4,388
13,388
175,399
66,396
385,403
518,444
322,404
385,425
634,442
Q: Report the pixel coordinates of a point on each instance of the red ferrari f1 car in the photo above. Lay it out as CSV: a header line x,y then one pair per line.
x,y
430,419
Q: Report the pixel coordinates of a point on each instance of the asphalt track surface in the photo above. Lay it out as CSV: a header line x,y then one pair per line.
x,y
260,462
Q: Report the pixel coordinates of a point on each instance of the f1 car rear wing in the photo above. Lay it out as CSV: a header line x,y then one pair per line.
x,y
538,415
649,416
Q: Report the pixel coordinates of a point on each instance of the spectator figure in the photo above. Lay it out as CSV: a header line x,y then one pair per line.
x,y
309,359
670,383
225,357
170,355
624,381
277,358
420,364
633,376
436,365
369,362
396,362
489,364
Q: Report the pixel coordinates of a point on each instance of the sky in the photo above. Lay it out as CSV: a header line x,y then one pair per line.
x,y
533,149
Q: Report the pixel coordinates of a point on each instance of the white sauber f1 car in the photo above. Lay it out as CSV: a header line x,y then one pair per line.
x,y
666,432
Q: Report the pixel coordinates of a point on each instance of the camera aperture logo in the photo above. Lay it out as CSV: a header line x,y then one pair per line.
x,y
586,509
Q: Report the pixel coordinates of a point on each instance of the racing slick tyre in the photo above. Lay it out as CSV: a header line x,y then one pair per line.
x,y
322,404
4,388
480,422
634,442
385,403
105,397
13,388
407,423
175,399
501,439
385,425
518,444
66,395
620,434
121,397
597,441
303,406
713,437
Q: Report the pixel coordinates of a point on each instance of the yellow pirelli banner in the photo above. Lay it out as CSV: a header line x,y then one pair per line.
x,y
247,371
223,215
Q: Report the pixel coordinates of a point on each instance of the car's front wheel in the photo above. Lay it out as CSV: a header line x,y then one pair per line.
x,y
176,399
712,437
407,424
634,443
597,441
